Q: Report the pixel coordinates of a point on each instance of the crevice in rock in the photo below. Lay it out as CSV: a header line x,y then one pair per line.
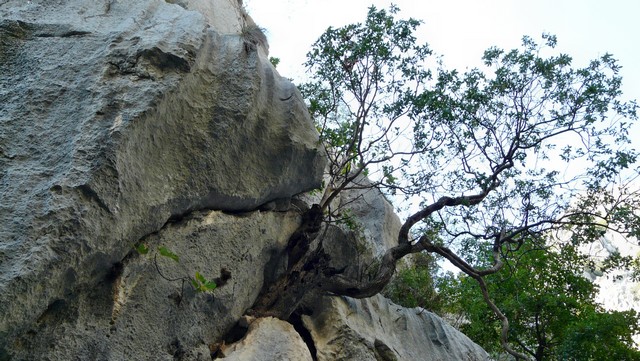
x,y
178,218
296,321
63,34
279,205
176,349
383,352
54,311
24,30
235,334
115,272
178,2
163,60
4,354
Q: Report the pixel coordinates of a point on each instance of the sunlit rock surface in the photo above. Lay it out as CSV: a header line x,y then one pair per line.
x,y
618,291
269,339
377,329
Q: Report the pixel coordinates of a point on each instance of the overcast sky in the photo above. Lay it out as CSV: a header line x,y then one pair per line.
x,y
461,30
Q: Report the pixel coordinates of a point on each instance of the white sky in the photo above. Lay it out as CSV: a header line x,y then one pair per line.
x,y
461,30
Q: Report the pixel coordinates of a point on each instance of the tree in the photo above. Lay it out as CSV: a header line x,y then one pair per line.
x,y
415,285
550,305
477,153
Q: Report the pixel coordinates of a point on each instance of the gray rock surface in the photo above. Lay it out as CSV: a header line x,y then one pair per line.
x,y
344,328
358,250
136,314
377,329
371,210
163,124
269,339
380,224
618,290
117,116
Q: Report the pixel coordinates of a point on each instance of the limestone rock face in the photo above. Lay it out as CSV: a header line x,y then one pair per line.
x,y
357,251
380,224
115,118
344,328
618,291
377,329
269,339
146,308
131,126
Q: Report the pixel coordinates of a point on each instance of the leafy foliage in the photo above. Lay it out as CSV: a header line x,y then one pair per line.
x,y
142,248
551,308
167,253
365,76
490,161
201,284
274,61
415,285
601,336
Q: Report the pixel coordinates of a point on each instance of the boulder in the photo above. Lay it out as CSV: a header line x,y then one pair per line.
x,y
379,224
343,328
374,228
269,339
117,118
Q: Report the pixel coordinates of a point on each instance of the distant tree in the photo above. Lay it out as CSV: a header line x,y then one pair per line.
x,y
480,155
415,285
551,307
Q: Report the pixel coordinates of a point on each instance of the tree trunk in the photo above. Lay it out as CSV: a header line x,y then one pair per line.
x,y
309,271
304,270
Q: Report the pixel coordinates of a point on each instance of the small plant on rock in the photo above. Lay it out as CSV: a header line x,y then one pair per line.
x,y
199,282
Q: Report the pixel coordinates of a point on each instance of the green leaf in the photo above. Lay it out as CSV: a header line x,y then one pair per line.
x,y
346,170
210,285
142,248
167,253
274,61
201,284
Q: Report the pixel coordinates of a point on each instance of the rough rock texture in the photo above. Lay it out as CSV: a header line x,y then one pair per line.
x,y
618,291
380,224
116,117
377,329
344,328
269,339
135,314
154,124
358,251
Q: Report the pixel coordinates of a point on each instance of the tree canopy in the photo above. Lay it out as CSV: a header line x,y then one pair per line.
x,y
550,305
491,161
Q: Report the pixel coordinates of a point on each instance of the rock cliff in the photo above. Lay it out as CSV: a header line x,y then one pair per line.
x,y
151,124
618,290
